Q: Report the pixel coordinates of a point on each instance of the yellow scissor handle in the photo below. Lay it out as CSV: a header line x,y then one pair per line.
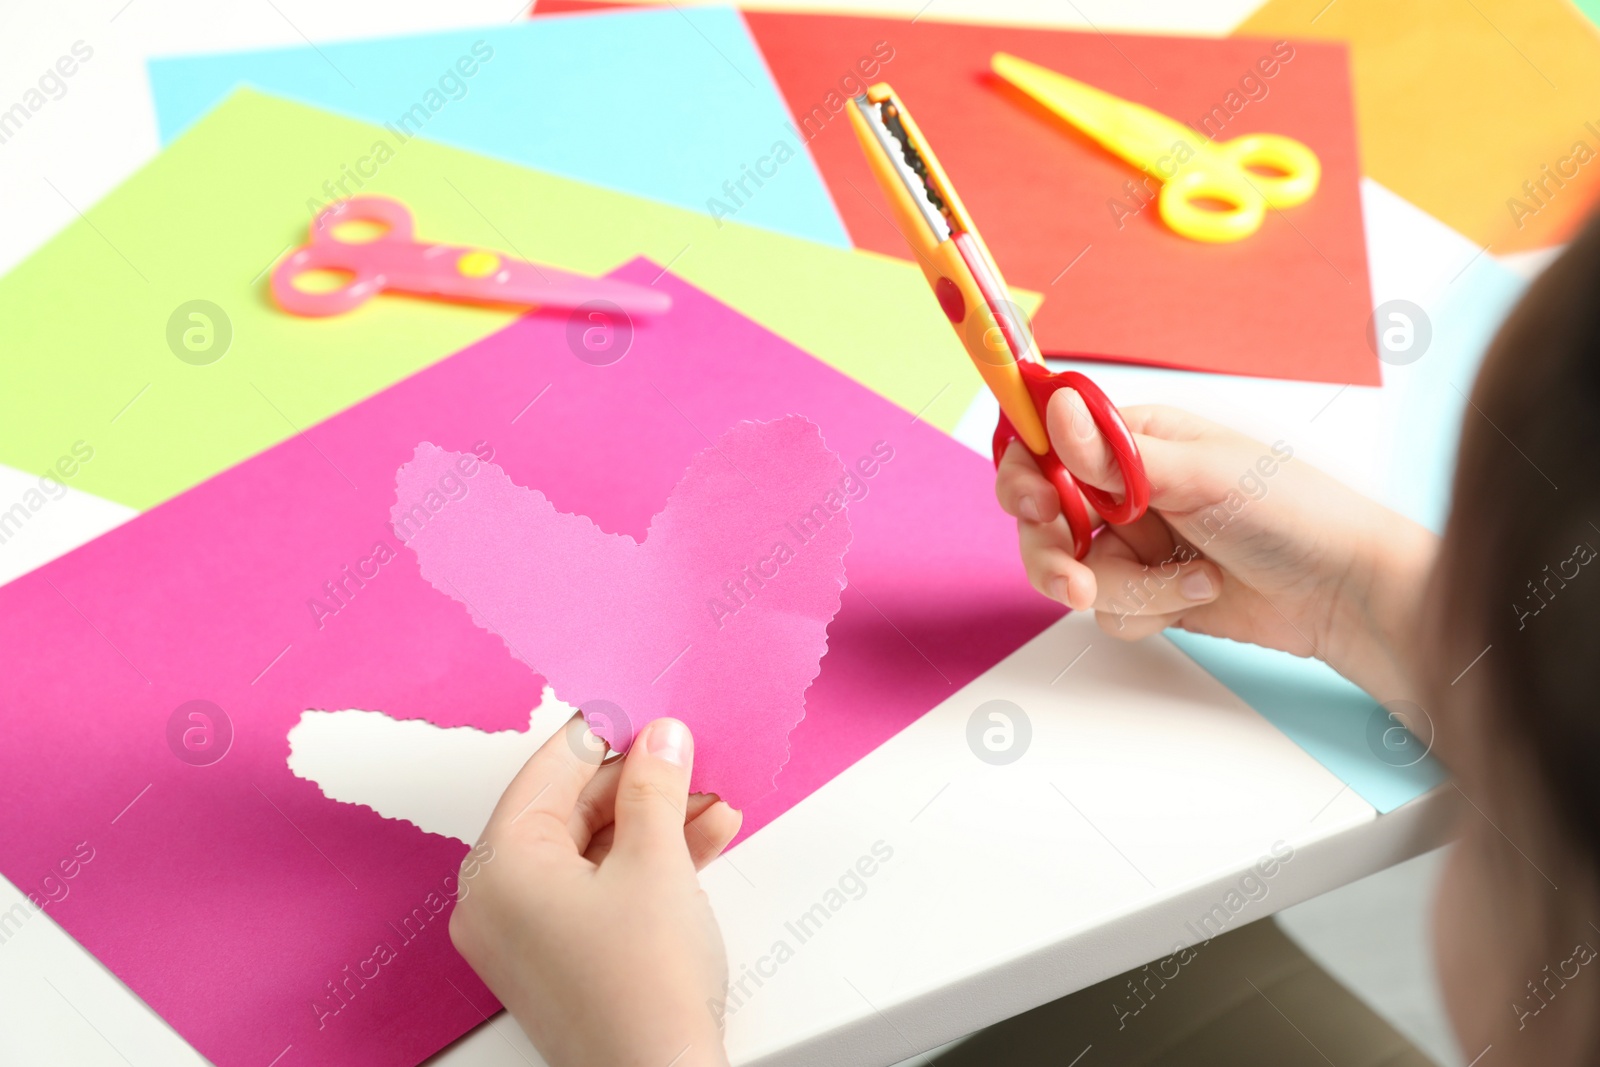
x,y
1284,171
1212,204
1223,193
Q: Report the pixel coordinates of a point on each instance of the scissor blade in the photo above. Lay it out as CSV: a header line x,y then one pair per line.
x,y
1136,133
896,146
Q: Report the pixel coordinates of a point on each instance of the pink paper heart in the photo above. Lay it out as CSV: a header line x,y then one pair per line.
x,y
718,618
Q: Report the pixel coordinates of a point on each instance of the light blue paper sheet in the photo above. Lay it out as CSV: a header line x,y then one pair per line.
x,y
1340,726
1431,394
667,104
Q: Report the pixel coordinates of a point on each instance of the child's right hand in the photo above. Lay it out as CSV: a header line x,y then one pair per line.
x,y
587,921
1241,541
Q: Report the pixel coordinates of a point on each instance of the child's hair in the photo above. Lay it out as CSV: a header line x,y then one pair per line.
x,y
1519,575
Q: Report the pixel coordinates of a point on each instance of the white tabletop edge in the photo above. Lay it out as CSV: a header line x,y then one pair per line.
x,y
889,1032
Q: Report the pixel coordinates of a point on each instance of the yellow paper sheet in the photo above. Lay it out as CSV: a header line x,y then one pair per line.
x,y
93,321
1485,113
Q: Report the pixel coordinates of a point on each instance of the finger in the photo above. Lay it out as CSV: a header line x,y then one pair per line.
x,y
1079,443
1186,458
1052,569
1171,424
1151,539
550,782
1023,492
1134,627
653,793
1135,599
595,806
604,837
708,832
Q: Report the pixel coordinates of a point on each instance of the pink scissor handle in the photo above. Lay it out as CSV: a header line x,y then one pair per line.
x,y
362,286
327,252
395,260
394,215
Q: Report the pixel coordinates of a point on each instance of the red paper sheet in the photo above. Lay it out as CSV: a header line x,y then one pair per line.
x,y
1292,301
255,914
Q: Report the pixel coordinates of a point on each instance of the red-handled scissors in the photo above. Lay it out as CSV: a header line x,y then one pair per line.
x,y
994,330
1042,385
395,260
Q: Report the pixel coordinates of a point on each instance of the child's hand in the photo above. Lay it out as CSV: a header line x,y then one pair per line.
x,y
1241,541
587,920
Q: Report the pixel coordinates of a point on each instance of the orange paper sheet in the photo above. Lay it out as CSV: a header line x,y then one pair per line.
x,y
1485,113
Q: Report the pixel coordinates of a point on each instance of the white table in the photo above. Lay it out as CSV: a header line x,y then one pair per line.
x,y
1147,792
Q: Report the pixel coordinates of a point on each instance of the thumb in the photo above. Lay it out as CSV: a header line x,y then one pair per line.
x,y
1078,442
653,793
1174,447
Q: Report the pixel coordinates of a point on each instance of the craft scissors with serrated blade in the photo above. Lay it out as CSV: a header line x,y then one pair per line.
x,y
974,297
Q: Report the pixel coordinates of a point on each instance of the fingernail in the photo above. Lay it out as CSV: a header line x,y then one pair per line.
x,y
1058,589
1083,427
1029,509
1196,585
669,740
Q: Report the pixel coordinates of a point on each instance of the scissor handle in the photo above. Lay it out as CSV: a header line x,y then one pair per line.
x,y
394,215
1282,170
1223,195
327,251
1213,204
394,259
363,285
1042,385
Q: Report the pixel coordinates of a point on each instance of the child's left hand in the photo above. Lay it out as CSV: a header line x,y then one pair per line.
x,y
584,915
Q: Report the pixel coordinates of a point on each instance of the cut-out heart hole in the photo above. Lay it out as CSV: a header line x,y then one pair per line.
x,y
719,617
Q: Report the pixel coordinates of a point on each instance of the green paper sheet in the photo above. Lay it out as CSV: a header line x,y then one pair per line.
x,y
87,318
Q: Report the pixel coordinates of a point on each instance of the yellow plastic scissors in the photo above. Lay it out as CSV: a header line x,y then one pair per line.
x,y
1244,176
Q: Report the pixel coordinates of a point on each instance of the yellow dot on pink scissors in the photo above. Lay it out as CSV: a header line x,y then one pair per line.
x,y
478,264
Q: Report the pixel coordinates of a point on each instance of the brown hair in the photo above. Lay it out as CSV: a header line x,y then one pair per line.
x,y
1518,572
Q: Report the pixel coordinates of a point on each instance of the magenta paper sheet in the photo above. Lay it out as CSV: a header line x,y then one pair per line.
x,y
152,675
719,617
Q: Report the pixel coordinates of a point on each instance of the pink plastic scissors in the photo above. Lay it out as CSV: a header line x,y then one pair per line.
x,y
395,260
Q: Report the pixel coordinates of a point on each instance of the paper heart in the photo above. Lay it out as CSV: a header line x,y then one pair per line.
x,y
719,617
